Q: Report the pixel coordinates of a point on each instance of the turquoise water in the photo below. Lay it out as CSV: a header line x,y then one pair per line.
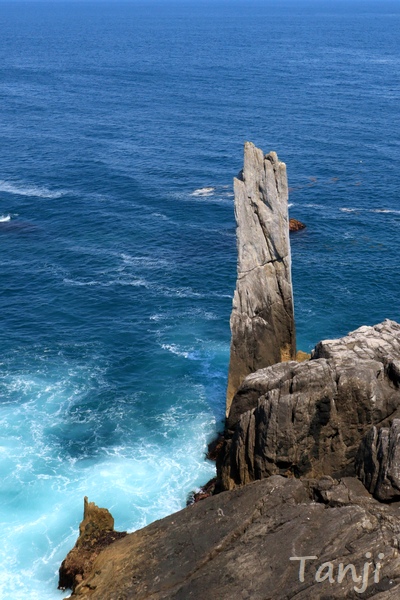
x,y
122,127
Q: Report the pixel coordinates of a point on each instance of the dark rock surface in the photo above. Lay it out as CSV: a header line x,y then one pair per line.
x,y
215,447
295,225
262,319
308,419
205,491
96,532
239,544
378,462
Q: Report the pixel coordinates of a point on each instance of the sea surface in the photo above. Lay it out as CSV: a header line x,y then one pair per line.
x,y
122,126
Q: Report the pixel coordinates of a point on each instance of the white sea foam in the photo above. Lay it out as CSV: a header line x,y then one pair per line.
x,y
28,190
95,282
139,482
209,316
312,205
160,216
133,282
68,281
214,195
175,350
149,262
156,318
385,210
4,219
230,234
205,191
203,314
385,61
371,210
197,313
185,292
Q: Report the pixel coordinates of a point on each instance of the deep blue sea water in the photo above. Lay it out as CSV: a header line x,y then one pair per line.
x,y
118,267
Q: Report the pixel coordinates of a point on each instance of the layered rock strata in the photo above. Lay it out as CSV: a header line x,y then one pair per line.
x,y
262,319
247,544
308,419
378,462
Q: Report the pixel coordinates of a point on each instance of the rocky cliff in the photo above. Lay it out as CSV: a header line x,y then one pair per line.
x,y
275,539
262,319
378,461
289,519
309,418
305,529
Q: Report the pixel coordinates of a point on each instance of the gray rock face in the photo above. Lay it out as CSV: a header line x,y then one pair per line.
x,y
262,319
378,462
247,544
308,419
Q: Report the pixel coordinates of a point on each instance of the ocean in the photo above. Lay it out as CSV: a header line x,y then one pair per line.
x,y
122,126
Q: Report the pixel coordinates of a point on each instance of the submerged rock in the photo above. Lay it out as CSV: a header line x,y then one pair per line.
x,y
248,543
262,319
308,419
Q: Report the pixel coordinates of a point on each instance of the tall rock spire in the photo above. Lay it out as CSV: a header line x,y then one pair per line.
x,y
262,319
